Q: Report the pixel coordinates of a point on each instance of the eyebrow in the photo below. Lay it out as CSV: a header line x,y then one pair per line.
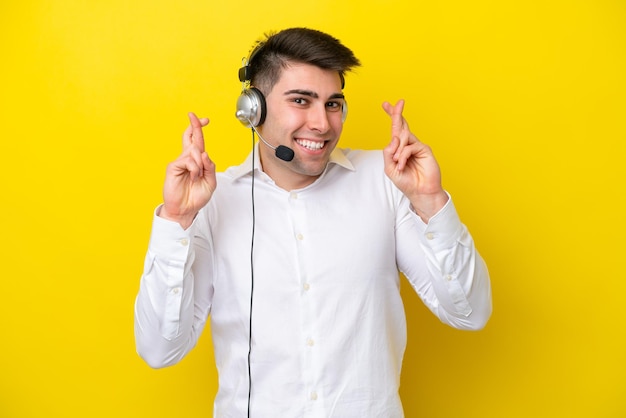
x,y
313,94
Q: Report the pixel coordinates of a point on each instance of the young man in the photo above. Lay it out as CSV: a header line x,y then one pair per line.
x,y
295,256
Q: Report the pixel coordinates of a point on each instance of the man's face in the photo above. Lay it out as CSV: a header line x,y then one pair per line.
x,y
304,110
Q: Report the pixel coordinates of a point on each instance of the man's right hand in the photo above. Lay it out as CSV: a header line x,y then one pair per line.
x,y
190,179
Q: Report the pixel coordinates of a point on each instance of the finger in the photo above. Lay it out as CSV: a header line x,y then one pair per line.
x,y
388,107
403,155
196,134
183,166
395,113
208,166
393,109
399,127
187,137
416,150
197,156
389,152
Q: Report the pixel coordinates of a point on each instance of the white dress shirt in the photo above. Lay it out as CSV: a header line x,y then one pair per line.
x,y
328,323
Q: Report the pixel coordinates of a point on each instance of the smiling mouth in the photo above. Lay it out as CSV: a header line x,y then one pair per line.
x,y
312,145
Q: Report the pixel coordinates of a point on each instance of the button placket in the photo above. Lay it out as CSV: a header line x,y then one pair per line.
x,y
299,222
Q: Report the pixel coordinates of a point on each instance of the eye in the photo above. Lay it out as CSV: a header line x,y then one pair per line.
x,y
300,100
333,106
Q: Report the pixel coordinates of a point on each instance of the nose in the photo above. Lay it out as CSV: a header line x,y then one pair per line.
x,y
318,119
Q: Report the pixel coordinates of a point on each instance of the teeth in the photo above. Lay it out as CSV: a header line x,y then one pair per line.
x,y
312,145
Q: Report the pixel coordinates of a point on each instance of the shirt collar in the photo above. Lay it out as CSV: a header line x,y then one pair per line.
x,y
338,157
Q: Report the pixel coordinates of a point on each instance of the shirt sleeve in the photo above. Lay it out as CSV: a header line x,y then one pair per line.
x,y
442,264
175,292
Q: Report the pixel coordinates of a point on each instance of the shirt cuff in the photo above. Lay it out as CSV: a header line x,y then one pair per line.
x,y
168,238
443,229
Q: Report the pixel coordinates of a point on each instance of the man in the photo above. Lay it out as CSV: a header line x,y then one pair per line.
x,y
295,256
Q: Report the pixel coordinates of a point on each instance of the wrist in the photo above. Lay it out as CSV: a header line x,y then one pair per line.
x,y
428,205
184,221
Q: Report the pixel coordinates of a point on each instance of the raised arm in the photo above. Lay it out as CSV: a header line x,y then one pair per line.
x,y
175,293
454,281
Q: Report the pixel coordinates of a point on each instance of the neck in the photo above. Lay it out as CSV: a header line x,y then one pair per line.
x,y
285,175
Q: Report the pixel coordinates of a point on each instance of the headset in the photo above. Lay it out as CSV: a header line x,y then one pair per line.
x,y
251,106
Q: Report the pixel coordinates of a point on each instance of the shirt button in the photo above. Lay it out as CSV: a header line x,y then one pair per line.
x,y
175,290
313,396
293,195
310,342
184,242
300,237
430,236
306,286
448,277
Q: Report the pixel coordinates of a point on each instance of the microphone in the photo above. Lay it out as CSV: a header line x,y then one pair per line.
x,y
282,152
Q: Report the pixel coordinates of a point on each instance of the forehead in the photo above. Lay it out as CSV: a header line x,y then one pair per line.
x,y
297,75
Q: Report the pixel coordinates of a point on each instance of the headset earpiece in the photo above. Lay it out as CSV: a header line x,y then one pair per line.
x,y
344,111
251,108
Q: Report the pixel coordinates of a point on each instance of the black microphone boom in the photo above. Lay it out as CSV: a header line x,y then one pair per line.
x,y
282,152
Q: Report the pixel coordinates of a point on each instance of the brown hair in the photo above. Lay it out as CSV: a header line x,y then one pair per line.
x,y
302,45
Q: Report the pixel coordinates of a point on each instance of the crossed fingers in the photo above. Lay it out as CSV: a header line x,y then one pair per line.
x,y
193,145
400,131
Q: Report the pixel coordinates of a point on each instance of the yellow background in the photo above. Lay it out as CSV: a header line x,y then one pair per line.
x,y
524,103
